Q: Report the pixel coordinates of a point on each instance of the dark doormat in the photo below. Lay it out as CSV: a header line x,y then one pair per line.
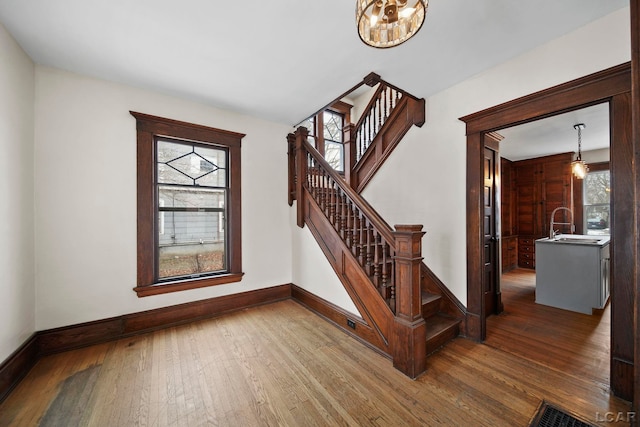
x,y
551,416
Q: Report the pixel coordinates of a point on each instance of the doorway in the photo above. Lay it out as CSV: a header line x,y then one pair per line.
x,y
612,86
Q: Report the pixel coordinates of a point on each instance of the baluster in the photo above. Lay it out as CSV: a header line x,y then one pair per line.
x,y
376,261
332,202
336,221
392,285
367,141
355,238
323,191
348,239
380,113
384,277
316,192
309,174
369,255
362,238
343,215
386,107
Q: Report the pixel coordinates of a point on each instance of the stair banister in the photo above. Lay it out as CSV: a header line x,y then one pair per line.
x,y
407,339
304,146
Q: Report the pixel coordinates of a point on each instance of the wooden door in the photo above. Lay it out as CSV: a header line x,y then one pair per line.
x,y
489,230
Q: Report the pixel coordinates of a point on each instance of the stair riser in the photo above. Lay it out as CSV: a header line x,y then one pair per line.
x,y
442,337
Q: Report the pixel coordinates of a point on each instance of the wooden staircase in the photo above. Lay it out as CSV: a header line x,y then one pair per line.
x,y
441,327
411,313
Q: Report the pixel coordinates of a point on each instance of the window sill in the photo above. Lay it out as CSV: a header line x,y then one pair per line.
x,y
183,285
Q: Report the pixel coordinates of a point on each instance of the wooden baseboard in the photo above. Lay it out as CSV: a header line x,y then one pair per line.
x,y
16,366
622,378
338,317
57,340
71,337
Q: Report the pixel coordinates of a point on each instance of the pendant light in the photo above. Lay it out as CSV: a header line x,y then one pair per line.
x,y
578,166
388,23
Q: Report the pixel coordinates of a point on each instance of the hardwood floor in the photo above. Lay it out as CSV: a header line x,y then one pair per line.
x,y
280,364
574,343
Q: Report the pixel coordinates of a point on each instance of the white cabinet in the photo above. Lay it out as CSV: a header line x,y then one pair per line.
x,y
573,273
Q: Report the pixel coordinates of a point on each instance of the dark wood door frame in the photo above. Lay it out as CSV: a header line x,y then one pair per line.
x,y
613,86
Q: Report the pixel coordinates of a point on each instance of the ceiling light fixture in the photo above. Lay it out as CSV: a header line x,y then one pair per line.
x,y
388,23
578,166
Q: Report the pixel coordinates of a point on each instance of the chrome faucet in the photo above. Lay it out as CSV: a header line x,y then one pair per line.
x,y
552,232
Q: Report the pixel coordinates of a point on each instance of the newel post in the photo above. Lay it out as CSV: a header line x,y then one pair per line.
x,y
349,154
409,342
301,172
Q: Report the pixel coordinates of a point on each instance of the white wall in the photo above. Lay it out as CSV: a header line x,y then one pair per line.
x,y
85,181
596,156
312,271
424,181
17,290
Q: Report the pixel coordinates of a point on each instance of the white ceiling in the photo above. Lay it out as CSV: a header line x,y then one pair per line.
x,y
556,134
282,59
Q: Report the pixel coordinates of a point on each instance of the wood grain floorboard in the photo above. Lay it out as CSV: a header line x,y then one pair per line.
x,y
281,365
574,343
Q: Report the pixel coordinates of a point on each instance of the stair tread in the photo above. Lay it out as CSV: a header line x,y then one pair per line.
x,y
439,324
428,297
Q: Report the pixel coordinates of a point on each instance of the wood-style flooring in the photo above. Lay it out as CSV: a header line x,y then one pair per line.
x,y
282,365
574,343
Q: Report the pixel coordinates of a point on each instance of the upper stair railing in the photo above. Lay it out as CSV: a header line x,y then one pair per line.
x,y
380,107
386,119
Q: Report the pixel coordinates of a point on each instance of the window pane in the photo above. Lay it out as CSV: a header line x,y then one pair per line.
x,y
192,190
333,126
597,219
333,153
597,188
191,231
188,164
597,196
310,124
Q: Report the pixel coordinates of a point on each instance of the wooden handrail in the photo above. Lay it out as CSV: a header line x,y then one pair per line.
x,y
376,220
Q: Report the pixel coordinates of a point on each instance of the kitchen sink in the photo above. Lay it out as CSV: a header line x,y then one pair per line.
x,y
577,240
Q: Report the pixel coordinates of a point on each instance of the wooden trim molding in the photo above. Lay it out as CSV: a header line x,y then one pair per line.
x,y
149,128
57,340
614,86
16,366
339,317
85,334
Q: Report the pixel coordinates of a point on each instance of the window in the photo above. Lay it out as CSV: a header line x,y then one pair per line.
x,y
189,222
597,196
326,133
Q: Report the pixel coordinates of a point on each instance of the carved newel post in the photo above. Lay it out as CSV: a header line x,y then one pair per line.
x,y
409,342
301,172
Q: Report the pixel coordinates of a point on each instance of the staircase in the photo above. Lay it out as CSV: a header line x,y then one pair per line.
x,y
410,312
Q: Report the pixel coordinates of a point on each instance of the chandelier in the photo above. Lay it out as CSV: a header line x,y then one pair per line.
x,y
578,166
388,23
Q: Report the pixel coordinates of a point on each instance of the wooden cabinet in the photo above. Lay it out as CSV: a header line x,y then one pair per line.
x,y
541,185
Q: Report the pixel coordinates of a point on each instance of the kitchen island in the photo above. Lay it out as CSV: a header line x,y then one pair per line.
x,y
572,272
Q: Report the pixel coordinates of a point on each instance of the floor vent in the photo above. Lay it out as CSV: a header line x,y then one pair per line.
x,y
551,416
